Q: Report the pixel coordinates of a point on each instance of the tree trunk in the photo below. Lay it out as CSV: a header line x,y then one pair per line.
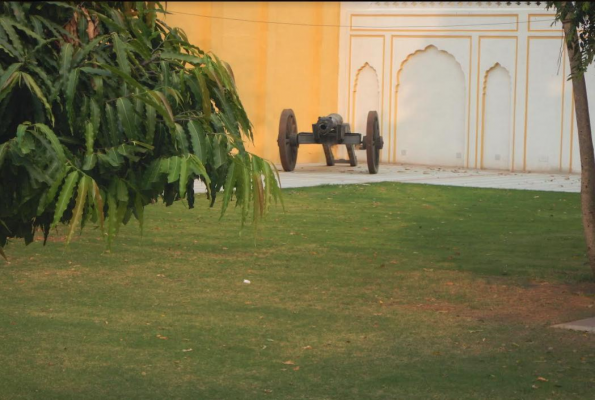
x,y
585,143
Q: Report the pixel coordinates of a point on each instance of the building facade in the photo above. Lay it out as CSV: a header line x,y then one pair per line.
x,y
458,84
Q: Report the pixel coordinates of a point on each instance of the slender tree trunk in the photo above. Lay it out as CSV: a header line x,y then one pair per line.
x,y
585,143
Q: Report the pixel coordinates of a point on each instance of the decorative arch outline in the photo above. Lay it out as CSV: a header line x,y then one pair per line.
x,y
483,105
355,84
411,55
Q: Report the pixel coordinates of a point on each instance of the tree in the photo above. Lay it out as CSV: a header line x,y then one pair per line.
x,y
578,21
106,109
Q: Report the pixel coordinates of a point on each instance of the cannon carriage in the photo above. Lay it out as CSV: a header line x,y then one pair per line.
x,y
329,131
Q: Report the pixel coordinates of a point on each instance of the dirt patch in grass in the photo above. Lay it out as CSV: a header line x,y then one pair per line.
x,y
457,294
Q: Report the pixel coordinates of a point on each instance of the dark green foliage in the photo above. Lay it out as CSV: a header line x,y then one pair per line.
x,y
581,15
106,109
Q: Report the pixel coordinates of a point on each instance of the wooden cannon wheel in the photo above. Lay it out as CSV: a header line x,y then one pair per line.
x,y
374,142
287,140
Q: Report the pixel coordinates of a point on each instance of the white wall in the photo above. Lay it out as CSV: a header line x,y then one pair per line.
x,y
544,125
481,79
430,109
496,132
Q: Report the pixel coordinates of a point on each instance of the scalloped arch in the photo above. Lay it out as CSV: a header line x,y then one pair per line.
x,y
421,51
398,135
485,77
482,150
355,88
357,74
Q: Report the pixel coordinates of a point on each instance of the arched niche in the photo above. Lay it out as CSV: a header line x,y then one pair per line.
x,y
366,97
496,125
429,111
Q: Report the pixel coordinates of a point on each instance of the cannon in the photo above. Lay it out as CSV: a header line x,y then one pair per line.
x,y
329,131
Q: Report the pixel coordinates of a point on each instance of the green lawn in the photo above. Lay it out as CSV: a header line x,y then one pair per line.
x,y
381,291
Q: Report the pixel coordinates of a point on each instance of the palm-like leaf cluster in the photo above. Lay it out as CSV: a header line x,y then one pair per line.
x,y
105,109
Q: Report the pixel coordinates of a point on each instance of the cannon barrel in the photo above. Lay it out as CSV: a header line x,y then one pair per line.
x,y
327,125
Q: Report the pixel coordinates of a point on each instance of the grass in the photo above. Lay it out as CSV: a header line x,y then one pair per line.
x,y
378,291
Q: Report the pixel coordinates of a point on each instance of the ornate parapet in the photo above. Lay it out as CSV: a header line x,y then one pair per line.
x,y
458,4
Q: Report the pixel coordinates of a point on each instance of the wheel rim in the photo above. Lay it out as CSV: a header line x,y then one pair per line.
x,y
373,142
287,150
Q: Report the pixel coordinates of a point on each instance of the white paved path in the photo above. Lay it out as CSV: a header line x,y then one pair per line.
x,y
341,174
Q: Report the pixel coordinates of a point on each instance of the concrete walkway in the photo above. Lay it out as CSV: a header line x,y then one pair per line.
x,y
585,325
342,174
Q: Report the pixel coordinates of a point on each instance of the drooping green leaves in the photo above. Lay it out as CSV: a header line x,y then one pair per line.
x,y
72,81
197,139
206,98
65,196
126,115
81,198
174,169
121,54
39,94
53,139
3,151
97,124
9,74
65,61
228,188
49,195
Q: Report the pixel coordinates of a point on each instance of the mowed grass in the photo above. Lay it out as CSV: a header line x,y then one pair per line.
x,y
380,291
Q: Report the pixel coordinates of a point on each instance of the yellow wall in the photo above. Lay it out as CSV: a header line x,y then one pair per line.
x,y
275,66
